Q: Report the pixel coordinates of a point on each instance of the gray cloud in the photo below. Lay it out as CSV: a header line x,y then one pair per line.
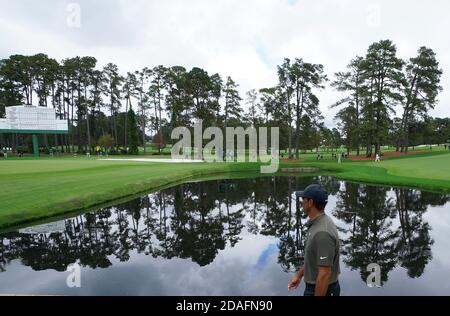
x,y
244,39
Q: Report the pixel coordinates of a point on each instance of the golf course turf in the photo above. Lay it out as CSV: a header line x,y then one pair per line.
x,y
35,189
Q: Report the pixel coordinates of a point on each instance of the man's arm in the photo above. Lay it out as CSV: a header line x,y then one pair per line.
x,y
323,281
295,281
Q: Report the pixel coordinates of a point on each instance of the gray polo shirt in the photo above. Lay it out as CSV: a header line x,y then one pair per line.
x,y
322,248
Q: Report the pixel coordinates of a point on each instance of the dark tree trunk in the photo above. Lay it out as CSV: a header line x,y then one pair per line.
x,y
88,126
143,133
160,123
71,125
299,116
126,122
289,125
357,140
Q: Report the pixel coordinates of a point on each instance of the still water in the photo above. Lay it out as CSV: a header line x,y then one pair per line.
x,y
233,237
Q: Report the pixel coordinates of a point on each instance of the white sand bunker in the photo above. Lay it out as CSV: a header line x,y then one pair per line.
x,y
154,160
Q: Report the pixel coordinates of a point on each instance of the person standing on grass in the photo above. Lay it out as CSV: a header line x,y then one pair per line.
x,y
377,158
321,267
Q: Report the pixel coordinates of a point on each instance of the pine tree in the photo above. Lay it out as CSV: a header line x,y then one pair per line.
x,y
232,107
133,138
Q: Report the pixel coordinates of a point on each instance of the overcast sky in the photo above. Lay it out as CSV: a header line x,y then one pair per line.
x,y
244,39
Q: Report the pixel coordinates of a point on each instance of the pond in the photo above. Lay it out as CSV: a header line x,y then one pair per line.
x,y
233,238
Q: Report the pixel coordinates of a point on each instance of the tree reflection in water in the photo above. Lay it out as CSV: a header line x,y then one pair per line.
x,y
198,220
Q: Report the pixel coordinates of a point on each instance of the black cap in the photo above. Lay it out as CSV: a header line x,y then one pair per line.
x,y
314,192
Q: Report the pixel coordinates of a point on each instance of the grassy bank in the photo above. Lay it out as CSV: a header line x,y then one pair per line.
x,y
33,189
430,173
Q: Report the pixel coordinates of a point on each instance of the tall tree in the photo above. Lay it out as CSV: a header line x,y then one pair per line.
x,y
143,77
382,71
268,102
88,78
216,94
252,103
11,89
98,88
177,100
156,92
443,130
351,82
130,91
200,89
114,81
346,118
133,138
305,77
20,69
232,107
69,68
287,86
420,89
44,71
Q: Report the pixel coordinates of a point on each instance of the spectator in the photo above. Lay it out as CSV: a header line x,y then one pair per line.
x,y
377,158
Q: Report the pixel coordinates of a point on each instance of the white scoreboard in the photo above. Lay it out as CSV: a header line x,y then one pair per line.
x,y
32,118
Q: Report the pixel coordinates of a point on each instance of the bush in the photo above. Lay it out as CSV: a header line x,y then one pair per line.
x,y
106,141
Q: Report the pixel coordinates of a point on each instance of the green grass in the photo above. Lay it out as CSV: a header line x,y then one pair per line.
x,y
397,172
422,150
434,167
429,171
35,189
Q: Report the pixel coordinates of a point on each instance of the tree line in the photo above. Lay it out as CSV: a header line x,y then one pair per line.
x,y
386,101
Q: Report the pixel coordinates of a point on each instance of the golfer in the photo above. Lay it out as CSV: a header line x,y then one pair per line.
x,y
322,248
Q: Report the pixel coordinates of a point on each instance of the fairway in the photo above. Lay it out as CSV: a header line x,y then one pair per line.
x,y
433,167
34,189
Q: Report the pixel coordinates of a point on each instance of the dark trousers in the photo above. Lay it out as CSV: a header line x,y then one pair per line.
x,y
333,289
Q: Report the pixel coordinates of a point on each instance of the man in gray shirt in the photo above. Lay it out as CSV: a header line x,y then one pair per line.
x,y
322,248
